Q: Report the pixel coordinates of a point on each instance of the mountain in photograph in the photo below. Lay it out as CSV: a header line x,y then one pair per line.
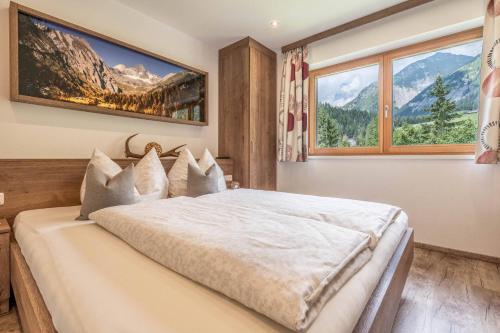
x,y
57,63
63,66
137,79
134,79
411,82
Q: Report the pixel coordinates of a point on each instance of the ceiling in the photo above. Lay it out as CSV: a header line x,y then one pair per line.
x,y
221,22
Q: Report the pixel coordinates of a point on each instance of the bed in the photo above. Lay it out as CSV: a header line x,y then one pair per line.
x,y
72,282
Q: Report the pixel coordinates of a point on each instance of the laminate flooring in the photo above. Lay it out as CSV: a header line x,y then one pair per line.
x,y
449,293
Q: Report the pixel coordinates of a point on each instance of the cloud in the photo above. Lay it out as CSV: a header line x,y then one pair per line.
x,y
351,86
341,88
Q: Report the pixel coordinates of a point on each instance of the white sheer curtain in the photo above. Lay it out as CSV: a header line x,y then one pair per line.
x,y
487,147
294,106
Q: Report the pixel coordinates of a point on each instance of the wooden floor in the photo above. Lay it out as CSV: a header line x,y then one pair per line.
x,y
447,293
444,293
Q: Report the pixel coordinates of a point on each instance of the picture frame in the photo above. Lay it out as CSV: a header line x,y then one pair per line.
x,y
59,64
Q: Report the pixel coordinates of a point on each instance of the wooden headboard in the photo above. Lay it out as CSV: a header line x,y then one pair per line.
x,y
33,184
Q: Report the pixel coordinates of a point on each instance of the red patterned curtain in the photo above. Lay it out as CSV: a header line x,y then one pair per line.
x,y
294,106
487,148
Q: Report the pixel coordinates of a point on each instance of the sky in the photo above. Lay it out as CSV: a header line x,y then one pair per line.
x,y
341,88
113,54
470,49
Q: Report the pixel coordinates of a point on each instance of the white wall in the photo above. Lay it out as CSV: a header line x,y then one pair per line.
x,y
29,131
451,201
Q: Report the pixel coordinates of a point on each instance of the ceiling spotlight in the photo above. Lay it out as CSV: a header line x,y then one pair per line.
x,y
275,23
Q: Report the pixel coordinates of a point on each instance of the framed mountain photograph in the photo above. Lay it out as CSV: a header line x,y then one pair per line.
x,y
55,63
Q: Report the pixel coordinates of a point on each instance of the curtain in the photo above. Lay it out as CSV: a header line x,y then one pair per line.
x,y
294,106
487,147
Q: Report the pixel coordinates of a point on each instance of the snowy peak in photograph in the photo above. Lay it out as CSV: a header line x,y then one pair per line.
x,y
138,72
137,78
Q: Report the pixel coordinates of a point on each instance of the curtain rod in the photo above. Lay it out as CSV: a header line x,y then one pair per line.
x,y
400,7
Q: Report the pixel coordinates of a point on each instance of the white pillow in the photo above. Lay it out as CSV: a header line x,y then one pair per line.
x,y
150,178
103,163
178,174
151,182
205,162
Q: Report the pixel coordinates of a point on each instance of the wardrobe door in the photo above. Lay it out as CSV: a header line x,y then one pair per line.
x,y
234,117
262,118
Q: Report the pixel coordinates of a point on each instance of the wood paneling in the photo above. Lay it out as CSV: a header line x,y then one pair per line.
x,y
400,7
33,184
247,112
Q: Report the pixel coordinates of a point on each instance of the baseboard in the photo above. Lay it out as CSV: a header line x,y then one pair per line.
x,y
469,255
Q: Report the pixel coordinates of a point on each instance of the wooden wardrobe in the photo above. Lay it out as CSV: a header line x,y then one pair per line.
x,y
247,112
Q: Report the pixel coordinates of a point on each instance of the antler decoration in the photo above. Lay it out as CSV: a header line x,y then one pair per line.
x,y
172,152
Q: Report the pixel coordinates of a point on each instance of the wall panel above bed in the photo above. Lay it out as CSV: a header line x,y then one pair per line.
x,y
32,184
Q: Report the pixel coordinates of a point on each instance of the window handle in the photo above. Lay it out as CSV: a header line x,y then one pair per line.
x,y
386,111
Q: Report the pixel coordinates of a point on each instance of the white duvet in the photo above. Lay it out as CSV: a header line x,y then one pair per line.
x,y
368,217
285,266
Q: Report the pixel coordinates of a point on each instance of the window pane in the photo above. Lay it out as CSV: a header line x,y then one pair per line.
x,y
197,113
181,114
347,108
436,96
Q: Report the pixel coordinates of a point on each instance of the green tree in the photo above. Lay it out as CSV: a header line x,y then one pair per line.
x,y
328,130
463,132
344,141
371,135
351,122
409,135
466,132
443,110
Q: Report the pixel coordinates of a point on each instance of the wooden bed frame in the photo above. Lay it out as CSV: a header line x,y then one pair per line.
x,y
32,184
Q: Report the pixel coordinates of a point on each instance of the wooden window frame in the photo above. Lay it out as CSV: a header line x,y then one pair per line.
x,y
344,67
384,60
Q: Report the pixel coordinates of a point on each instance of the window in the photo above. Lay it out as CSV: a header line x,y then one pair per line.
x,y
421,99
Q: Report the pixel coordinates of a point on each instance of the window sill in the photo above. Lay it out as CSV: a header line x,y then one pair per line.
x,y
393,157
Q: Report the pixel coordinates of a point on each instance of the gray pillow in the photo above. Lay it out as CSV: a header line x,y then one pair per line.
x,y
103,191
200,183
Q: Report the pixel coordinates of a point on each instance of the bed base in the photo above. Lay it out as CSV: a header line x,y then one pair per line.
x,y
32,312
383,305
378,316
